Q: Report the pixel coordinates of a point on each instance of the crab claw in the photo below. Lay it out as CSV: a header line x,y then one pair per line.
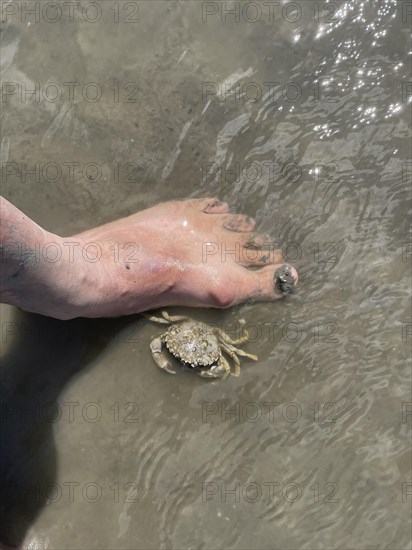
x,y
168,368
159,357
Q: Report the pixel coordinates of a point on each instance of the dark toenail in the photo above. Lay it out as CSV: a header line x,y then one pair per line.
x,y
232,225
127,266
264,259
284,282
217,203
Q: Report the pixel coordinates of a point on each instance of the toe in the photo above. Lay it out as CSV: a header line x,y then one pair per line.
x,y
239,223
285,279
214,206
261,240
268,284
260,256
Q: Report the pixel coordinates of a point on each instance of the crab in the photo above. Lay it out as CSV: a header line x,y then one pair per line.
x,y
198,346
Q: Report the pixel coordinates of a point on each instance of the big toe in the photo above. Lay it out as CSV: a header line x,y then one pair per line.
x,y
285,279
269,283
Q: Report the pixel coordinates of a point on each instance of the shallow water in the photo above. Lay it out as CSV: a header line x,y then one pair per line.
x,y
295,114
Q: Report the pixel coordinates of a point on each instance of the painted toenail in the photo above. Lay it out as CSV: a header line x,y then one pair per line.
x,y
252,244
283,279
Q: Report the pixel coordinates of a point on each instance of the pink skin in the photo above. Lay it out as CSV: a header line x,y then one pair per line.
x,y
190,253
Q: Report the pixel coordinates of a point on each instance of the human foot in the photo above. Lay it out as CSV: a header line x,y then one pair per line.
x,y
191,253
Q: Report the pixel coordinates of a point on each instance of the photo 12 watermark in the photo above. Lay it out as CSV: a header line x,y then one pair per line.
x,y
407,90
262,176
269,492
69,492
326,13
71,172
26,93
407,171
406,412
406,331
29,333
271,11
322,89
324,332
70,412
406,491
68,11
53,252
270,411
271,251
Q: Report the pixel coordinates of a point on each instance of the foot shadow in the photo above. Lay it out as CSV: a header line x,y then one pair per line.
x,y
42,355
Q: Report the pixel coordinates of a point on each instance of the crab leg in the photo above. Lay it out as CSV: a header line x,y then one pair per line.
x,y
226,365
226,338
155,319
234,352
165,318
173,318
244,354
221,370
159,357
230,350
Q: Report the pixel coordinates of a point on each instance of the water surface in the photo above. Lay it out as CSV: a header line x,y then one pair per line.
x,y
296,114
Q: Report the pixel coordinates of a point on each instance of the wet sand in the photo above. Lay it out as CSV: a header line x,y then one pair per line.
x,y
310,447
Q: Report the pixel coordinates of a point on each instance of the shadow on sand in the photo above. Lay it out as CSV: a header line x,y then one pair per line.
x,y
41,356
